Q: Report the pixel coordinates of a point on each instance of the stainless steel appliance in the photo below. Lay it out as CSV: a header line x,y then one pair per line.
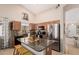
x,y
54,34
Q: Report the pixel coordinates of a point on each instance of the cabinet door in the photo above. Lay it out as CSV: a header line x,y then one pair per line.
x,y
32,26
16,25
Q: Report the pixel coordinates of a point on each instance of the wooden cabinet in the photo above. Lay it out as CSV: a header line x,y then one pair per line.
x,y
42,25
15,25
32,26
45,24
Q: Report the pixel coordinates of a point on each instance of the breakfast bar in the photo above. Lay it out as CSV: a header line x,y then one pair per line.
x,y
38,47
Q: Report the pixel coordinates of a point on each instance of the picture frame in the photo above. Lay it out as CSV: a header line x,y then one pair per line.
x,y
25,16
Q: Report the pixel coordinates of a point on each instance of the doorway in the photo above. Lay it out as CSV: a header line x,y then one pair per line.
x,y
72,31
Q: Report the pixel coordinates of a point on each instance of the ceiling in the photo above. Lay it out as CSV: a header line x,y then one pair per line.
x,y
38,8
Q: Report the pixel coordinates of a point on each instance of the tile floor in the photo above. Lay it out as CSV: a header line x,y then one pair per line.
x,y
9,51
71,49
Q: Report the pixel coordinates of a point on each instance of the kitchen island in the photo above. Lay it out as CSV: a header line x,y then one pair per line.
x,y
38,47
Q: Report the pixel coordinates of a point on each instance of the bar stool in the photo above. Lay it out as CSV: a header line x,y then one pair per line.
x,y
19,50
16,49
23,51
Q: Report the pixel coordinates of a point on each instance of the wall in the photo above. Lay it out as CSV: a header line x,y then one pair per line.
x,y
49,15
71,6
72,14
14,12
71,17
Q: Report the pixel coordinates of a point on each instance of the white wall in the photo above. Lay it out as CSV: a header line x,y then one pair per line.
x,y
14,12
71,14
72,17
49,15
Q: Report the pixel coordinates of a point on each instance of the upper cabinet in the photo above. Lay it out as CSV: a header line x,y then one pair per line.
x,y
15,25
32,26
45,24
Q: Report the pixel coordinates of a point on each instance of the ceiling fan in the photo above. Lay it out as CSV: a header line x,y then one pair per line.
x,y
58,5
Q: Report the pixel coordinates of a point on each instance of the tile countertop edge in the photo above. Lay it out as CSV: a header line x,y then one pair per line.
x,y
33,51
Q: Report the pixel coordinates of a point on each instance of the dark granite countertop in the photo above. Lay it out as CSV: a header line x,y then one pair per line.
x,y
37,45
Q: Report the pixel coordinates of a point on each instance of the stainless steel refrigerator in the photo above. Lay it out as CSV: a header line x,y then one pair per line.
x,y
54,34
